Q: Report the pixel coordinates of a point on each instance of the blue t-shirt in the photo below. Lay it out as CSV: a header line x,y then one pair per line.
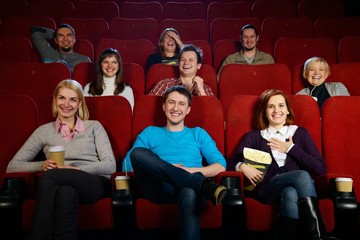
x,y
187,147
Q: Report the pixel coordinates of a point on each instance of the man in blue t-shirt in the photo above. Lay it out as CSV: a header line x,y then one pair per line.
x,y
167,162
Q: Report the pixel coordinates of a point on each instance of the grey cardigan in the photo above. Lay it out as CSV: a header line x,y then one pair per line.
x,y
90,150
333,88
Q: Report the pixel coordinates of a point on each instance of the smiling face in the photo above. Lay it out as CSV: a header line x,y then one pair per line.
x,y
65,38
317,73
188,64
249,39
176,107
277,111
169,44
67,103
110,66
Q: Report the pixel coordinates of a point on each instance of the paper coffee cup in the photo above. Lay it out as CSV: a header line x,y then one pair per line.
x,y
122,182
57,153
343,184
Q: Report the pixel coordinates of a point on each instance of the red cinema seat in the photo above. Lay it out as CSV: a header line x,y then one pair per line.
x,y
54,9
131,51
186,27
110,111
206,113
138,9
134,28
249,79
41,80
239,9
23,25
15,49
340,143
184,10
274,28
348,50
239,121
316,9
18,128
97,9
294,51
262,9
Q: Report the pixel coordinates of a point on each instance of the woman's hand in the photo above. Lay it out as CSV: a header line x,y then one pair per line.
x,y
48,164
254,175
176,38
51,164
281,146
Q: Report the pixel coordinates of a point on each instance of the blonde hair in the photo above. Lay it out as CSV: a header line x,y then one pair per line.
x,y
315,59
83,112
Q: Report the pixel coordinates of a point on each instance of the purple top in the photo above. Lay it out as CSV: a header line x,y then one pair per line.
x,y
303,155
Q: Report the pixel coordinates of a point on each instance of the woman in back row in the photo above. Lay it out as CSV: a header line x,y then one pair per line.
x,y
109,78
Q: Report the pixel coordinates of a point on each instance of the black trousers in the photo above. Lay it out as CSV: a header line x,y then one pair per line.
x,y
59,193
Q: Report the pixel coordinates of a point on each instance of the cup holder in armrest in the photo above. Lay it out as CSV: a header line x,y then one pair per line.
x,y
12,192
342,200
233,191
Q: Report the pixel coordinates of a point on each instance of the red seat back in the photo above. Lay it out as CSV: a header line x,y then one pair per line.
x,y
37,80
148,9
97,9
19,124
249,79
115,114
294,51
341,137
131,29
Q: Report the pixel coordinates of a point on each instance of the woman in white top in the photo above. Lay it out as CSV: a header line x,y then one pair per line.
x,y
109,78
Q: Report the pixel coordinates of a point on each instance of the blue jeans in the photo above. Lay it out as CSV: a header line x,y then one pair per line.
x,y
288,188
161,182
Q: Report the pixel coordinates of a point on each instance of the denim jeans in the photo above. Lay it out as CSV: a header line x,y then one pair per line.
x,y
161,182
288,188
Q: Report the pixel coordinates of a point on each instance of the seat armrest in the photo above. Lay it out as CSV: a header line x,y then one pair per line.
x,y
342,200
13,192
233,181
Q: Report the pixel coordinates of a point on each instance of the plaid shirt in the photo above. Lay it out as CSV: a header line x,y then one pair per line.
x,y
160,88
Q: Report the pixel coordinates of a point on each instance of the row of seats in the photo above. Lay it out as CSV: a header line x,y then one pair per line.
x,y
272,28
291,51
235,79
174,10
338,148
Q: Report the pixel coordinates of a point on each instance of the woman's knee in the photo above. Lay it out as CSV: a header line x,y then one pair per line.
x,y
303,176
289,194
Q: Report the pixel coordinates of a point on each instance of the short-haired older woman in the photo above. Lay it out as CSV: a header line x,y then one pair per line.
x,y
316,71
